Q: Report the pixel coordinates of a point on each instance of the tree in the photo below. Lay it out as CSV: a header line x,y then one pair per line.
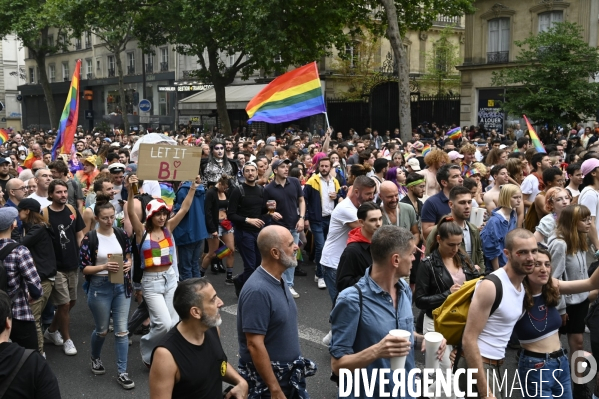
x,y
250,34
441,63
404,15
553,82
31,21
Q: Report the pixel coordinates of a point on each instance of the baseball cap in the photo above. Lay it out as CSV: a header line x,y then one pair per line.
x,y
8,215
91,159
249,164
107,140
589,166
453,155
131,169
29,203
418,146
4,160
116,167
279,162
414,164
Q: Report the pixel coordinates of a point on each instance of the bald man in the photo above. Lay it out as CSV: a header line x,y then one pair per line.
x,y
38,164
267,317
16,191
397,213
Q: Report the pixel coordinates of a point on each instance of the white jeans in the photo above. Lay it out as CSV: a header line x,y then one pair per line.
x,y
444,363
158,290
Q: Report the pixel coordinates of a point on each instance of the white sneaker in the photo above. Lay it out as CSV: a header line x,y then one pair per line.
x,y
293,292
69,348
316,278
321,284
586,330
53,337
327,338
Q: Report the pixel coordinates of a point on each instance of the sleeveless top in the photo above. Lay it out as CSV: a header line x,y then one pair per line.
x,y
539,322
201,367
223,204
157,253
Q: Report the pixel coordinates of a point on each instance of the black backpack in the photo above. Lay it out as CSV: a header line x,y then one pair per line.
x,y
4,252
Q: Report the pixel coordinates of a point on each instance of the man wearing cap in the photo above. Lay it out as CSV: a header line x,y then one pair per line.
x,y
86,177
23,281
288,194
413,166
455,157
417,147
247,211
43,178
117,175
60,171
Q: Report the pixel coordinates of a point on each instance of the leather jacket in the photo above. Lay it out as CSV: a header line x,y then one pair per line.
x,y
433,281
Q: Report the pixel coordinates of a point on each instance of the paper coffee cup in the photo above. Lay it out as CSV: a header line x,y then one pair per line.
x,y
432,342
399,362
477,216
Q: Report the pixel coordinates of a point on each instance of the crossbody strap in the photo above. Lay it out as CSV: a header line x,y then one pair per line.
x,y
6,383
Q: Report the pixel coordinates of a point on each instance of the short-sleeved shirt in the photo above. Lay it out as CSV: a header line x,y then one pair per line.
x,y
344,214
74,192
287,198
435,208
589,197
267,308
530,186
407,216
44,201
66,226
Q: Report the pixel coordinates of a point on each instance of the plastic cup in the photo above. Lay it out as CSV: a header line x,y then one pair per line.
x,y
432,342
399,362
477,216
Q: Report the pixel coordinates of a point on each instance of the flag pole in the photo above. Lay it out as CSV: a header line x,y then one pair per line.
x,y
326,115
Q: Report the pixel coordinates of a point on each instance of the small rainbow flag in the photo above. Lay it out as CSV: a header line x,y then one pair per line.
x,y
455,133
290,96
68,120
223,252
533,137
3,136
29,160
426,150
471,172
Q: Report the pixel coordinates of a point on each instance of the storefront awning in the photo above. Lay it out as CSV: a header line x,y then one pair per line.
x,y
237,97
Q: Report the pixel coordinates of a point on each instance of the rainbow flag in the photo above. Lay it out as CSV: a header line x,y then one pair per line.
x,y
454,133
29,160
167,193
291,96
223,252
426,150
68,120
533,137
3,136
471,172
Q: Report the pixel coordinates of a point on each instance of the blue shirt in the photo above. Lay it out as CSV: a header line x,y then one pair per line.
x,y
493,237
352,335
435,208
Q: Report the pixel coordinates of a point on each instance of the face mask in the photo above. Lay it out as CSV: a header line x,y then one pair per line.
x,y
22,157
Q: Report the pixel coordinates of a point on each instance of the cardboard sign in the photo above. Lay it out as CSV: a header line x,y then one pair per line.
x,y
117,277
168,162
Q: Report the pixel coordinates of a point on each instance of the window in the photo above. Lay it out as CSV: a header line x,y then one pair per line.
x,y
548,19
353,56
88,40
499,38
65,72
164,59
50,40
77,43
52,73
278,59
31,75
163,103
88,68
231,59
111,64
131,63
61,41
149,63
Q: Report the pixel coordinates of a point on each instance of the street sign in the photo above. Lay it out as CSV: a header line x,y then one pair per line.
x,y
144,119
145,105
89,114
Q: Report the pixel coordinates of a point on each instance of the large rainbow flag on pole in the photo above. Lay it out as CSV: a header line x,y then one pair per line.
x,y
291,96
68,120
533,137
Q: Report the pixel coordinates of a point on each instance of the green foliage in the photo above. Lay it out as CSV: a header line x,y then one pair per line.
x,y
441,62
554,81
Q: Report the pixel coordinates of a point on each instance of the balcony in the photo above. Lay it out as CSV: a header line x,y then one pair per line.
x,y
150,68
88,43
443,20
131,70
78,45
498,57
111,72
90,76
164,66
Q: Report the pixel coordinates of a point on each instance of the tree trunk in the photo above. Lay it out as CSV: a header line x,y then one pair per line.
x,y
221,106
393,34
119,67
40,60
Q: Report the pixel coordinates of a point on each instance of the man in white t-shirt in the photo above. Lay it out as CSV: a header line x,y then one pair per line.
x,y
43,178
343,219
530,186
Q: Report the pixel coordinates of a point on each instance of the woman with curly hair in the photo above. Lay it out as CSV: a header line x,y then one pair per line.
x,y
496,157
434,160
538,329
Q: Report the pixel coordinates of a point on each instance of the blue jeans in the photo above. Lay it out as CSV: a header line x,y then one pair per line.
x,y
534,369
158,290
320,231
330,278
247,245
189,260
289,273
103,298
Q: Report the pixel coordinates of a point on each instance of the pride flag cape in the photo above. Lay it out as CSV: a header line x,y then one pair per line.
x,y
291,96
68,120
533,137
454,133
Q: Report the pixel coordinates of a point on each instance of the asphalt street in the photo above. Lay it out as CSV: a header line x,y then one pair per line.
x,y
77,381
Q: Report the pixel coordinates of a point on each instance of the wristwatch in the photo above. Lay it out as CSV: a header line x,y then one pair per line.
x,y
302,217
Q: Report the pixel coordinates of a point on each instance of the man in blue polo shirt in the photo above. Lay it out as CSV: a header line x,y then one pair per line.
x,y
437,206
288,193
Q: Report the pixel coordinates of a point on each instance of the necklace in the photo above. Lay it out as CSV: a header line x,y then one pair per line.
x,y
531,317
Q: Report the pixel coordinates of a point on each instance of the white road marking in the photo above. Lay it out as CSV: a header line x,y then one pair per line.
x,y
308,333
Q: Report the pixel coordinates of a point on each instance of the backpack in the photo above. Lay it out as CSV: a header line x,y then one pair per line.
x,y
46,216
242,192
4,252
450,318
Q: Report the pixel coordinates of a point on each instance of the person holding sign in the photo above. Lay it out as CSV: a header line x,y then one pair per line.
x,y
99,247
156,250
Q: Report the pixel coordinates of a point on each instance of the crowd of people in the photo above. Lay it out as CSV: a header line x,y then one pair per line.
x,y
379,223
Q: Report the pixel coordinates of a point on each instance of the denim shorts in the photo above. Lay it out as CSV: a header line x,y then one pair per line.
x,y
222,231
545,377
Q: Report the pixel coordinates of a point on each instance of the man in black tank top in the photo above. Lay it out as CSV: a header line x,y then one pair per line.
x,y
190,361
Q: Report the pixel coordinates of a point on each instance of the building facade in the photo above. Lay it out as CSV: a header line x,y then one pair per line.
x,y
489,46
12,67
